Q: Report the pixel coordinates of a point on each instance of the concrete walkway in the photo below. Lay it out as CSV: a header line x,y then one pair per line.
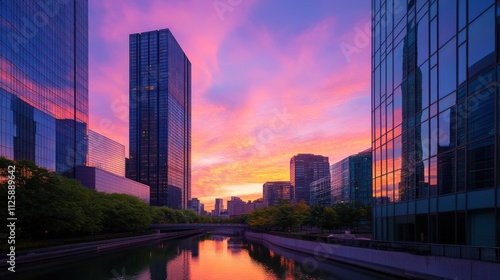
x,y
396,263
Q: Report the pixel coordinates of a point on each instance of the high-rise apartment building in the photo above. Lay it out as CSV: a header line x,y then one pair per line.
x,y
351,179
160,117
106,154
304,169
435,113
44,83
275,192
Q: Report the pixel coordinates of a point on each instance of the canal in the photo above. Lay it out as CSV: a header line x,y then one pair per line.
x,y
200,257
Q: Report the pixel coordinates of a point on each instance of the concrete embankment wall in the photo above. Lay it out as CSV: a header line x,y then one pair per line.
x,y
396,263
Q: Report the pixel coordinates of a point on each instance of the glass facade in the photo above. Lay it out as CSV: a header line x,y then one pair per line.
x,y
104,181
274,192
304,169
106,154
435,121
321,192
44,83
160,117
351,179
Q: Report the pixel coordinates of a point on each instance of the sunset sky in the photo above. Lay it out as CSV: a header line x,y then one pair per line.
x,y
270,79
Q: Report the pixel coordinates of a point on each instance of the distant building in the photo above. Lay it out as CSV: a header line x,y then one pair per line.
x,y
254,205
274,192
351,179
235,206
106,154
224,214
219,206
160,117
304,169
195,205
202,209
104,181
321,192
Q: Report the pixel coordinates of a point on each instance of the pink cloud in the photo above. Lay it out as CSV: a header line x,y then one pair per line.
x,y
242,87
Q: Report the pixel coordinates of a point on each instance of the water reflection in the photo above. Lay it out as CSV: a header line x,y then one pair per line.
x,y
200,257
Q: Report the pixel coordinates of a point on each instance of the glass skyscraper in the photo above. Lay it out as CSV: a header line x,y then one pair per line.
x,y
321,192
351,179
44,83
106,154
160,117
304,169
436,117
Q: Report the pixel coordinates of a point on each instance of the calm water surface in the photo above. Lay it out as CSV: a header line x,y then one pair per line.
x,y
202,257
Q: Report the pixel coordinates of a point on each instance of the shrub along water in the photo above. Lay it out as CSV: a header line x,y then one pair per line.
x,y
49,205
287,217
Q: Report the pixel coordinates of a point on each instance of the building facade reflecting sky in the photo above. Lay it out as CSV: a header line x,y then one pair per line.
x,y
160,117
106,154
435,121
350,179
44,83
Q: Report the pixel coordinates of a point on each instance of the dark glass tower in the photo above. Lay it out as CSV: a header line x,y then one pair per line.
x,y
436,117
351,179
304,169
160,117
44,83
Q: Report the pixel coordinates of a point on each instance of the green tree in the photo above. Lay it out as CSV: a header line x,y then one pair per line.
x,y
285,217
329,219
349,214
315,213
190,215
206,220
50,205
302,212
262,218
157,215
124,213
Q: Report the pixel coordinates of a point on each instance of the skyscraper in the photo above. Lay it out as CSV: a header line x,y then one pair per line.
x,y
219,206
160,117
435,108
321,192
44,83
351,179
304,169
